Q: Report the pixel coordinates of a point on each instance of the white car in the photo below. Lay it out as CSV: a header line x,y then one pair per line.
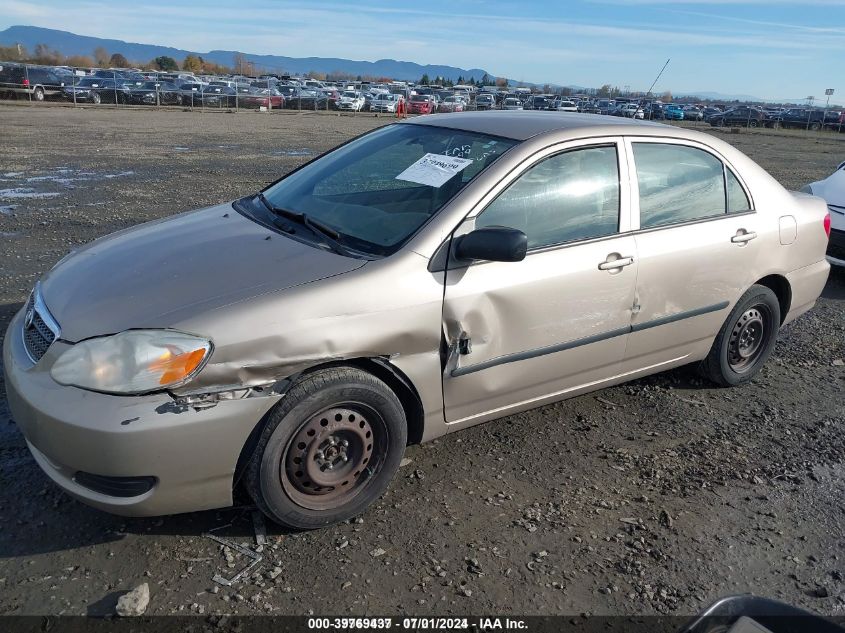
x,y
351,100
566,106
385,103
633,111
832,189
511,104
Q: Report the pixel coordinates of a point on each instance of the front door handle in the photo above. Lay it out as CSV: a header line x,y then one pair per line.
x,y
743,237
614,262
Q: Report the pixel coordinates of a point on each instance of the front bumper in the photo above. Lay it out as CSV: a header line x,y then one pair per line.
x,y
191,454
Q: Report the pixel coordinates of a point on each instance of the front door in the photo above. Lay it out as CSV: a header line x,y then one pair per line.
x,y
524,333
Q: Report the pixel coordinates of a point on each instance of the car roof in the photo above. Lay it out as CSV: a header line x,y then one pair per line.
x,y
524,125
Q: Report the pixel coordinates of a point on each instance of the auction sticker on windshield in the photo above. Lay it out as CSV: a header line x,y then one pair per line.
x,y
434,170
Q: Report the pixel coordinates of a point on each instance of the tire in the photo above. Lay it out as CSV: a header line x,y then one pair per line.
x,y
38,94
752,123
815,126
776,125
746,339
96,99
300,464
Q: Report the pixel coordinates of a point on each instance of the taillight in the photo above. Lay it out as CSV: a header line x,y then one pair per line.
x,y
26,82
827,225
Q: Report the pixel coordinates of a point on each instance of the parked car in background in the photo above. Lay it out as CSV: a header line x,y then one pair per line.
x,y
563,105
261,98
605,106
807,119
692,113
709,112
741,116
225,95
421,104
84,90
588,107
332,96
832,190
485,101
385,103
630,110
154,93
451,104
673,112
31,82
381,314
538,102
654,111
97,90
512,103
351,100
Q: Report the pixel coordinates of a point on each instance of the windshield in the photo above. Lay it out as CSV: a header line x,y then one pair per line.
x,y
378,190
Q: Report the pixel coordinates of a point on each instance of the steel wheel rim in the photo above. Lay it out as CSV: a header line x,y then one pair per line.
x,y
748,338
333,456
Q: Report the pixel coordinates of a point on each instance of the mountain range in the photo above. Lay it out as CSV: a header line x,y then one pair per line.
x,y
73,44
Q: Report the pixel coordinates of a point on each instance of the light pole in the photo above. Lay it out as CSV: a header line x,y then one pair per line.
x,y
827,93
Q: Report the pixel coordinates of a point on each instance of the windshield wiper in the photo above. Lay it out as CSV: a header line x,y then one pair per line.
x,y
328,234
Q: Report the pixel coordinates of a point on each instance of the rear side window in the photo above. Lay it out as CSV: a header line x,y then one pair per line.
x,y
678,184
567,197
737,200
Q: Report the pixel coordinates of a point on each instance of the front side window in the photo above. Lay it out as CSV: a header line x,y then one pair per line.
x,y
567,197
678,184
380,189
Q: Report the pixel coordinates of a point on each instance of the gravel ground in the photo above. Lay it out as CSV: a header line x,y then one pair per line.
x,y
654,497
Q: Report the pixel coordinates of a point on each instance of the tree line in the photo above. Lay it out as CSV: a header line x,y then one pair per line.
x,y
100,58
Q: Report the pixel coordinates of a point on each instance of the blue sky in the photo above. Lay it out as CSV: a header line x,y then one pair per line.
x,y
766,48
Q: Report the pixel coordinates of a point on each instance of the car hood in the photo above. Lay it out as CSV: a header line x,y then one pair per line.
x,y
158,274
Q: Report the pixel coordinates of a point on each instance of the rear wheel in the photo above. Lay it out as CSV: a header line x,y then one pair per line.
x,y
328,449
746,339
752,123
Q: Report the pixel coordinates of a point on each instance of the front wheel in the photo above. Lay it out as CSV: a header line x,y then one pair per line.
x,y
95,98
328,449
38,94
815,127
746,339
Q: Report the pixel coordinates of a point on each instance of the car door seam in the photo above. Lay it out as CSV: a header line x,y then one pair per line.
x,y
587,340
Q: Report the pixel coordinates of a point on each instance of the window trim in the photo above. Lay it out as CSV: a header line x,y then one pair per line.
x,y
623,225
636,227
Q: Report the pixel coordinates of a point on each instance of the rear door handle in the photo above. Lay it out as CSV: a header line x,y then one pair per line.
x,y
742,236
614,264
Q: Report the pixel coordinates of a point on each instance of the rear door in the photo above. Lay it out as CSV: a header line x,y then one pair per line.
x,y
697,245
527,332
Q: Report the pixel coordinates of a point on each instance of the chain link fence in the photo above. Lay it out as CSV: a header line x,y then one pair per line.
x,y
35,85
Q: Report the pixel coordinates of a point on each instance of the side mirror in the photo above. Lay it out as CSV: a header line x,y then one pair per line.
x,y
492,243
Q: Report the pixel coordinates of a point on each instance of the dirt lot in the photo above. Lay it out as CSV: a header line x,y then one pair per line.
x,y
653,497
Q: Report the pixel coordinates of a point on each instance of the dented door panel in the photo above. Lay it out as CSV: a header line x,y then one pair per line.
x,y
541,326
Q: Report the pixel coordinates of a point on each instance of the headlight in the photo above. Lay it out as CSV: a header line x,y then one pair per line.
x,y
132,362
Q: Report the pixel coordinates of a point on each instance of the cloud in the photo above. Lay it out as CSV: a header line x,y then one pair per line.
x,y
590,45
